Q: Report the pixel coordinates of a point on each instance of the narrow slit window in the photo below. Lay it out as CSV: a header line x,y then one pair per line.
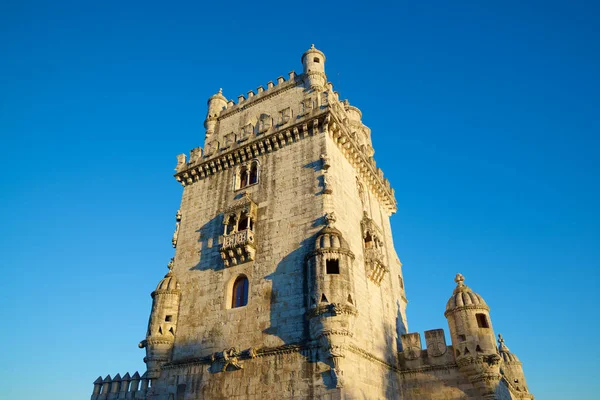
x,y
332,266
482,321
168,318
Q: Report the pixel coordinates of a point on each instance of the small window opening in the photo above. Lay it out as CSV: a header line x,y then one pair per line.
x,y
478,349
230,227
332,266
240,292
253,178
467,351
244,223
160,330
482,321
168,318
324,299
350,299
243,178
368,241
316,59
462,338
516,381
171,331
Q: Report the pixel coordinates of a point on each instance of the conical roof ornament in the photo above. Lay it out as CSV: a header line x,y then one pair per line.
x,y
170,265
501,345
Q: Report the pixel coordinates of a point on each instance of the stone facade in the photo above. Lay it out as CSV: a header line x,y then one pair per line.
x,y
285,282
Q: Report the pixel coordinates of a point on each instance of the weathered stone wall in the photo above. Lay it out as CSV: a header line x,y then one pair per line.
x,y
381,307
289,215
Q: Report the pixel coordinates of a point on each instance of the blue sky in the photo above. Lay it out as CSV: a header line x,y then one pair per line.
x,y
484,118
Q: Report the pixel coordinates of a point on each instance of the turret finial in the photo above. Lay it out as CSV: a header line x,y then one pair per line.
x,y
220,90
500,339
459,279
312,46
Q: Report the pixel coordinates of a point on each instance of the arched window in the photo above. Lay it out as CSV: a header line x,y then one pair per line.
x,y
368,241
239,296
253,178
230,225
243,177
247,175
244,222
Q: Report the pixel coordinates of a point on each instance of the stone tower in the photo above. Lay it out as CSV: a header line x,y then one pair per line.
x,y
285,281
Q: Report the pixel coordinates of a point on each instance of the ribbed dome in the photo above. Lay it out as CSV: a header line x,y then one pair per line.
x,y
169,282
505,353
330,238
463,296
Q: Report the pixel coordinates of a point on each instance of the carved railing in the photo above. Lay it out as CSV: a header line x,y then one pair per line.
x,y
375,264
238,247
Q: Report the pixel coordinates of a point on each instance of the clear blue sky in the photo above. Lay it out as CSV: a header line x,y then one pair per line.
x,y
485,118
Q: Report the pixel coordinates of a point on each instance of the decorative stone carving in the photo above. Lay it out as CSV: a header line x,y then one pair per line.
x,y
246,132
375,265
176,233
330,219
228,140
326,185
230,359
325,161
211,148
264,123
181,164
436,342
285,116
239,244
411,346
196,155
307,106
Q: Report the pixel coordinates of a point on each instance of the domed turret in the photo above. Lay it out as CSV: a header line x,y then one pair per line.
x,y
216,104
162,324
313,62
473,339
512,368
330,300
469,320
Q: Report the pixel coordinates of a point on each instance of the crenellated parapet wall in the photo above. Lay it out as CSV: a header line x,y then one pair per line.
x,y
437,353
125,387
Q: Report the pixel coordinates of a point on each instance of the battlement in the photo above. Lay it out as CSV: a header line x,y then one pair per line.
x,y
437,353
126,387
261,94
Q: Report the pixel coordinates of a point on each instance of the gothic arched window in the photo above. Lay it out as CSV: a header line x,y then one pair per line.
x,y
247,175
239,296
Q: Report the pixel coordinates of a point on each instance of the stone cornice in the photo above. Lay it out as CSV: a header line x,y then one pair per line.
x,y
365,166
265,143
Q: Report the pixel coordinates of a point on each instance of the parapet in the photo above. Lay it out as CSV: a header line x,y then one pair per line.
x,y
436,354
126,387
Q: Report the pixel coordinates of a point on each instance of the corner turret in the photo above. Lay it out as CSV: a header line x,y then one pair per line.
x,y
473,338
512,369
313,62
162,324
330,298
216,104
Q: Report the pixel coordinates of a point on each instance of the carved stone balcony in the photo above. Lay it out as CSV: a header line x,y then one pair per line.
x,y
374,264
238,247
